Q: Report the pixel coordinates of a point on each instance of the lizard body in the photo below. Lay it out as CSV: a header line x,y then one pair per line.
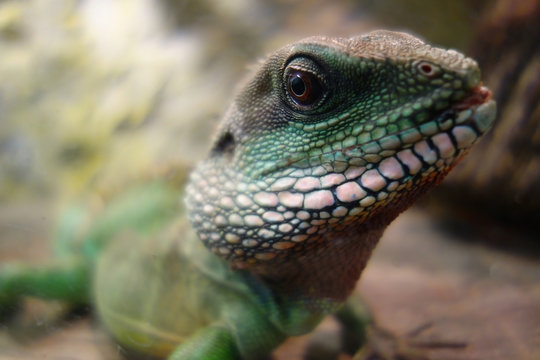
x,y
326,144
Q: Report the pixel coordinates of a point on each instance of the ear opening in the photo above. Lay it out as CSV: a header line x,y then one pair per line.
x,y
225,145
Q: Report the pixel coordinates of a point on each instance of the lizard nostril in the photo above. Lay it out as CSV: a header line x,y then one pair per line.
x,y
427,69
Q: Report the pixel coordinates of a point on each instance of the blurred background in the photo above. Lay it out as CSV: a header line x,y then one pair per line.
x,y
96,93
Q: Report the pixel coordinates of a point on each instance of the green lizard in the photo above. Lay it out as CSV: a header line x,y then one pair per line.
x,y
325,145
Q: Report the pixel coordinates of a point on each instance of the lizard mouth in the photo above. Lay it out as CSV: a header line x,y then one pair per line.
x,y
472,109
476,111
480,95
472,115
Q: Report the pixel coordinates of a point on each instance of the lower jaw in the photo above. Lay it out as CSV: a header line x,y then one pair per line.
x,y
469,125
427,160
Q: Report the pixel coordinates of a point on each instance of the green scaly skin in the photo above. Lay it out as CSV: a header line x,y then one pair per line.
x,y
328,142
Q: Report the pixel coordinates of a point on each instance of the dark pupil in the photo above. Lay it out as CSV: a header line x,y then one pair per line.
x,y
304,87
297,86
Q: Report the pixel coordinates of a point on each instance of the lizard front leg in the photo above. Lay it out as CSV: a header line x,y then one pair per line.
x,y
67,280
369,341
244,333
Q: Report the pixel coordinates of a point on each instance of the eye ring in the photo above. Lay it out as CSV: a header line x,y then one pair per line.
x,y
305,83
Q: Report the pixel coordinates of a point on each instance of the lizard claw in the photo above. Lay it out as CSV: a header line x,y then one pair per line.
x,y
385,345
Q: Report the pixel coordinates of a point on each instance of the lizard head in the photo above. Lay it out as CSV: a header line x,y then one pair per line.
x,y
332,134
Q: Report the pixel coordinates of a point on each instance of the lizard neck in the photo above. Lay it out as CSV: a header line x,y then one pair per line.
x,y
303,245
329,271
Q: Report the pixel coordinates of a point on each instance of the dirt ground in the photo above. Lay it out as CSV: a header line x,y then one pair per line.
x,y
422,272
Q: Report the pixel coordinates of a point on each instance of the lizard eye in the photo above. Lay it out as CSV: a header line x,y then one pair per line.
x,y
304,88
304,84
